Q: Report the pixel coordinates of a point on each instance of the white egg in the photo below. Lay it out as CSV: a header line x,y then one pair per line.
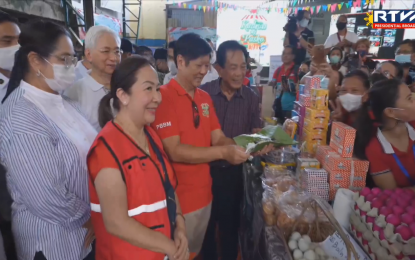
x,y
295,236
310,255
297,254
292,244
307,238
320,251
303,245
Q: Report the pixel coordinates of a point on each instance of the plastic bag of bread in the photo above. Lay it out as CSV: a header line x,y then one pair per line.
x,y
290,127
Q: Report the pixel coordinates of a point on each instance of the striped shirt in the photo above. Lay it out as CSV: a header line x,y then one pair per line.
x,y
46,173
237,116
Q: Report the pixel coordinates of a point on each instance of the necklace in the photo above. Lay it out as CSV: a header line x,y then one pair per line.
x,y
142,144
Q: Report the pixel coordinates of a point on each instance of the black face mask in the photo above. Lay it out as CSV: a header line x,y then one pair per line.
x,y
341,26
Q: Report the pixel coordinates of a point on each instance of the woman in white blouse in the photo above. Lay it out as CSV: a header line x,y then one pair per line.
x,y
44,141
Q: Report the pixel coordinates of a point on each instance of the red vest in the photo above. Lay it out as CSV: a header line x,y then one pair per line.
x,y
146,197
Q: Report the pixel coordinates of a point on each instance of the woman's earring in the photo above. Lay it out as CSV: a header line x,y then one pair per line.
x,y
38,73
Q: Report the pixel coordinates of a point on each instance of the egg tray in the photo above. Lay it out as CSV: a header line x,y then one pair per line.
x,y
391,248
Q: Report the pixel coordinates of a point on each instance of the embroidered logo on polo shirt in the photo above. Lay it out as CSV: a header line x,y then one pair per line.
x,y
163,125
205,109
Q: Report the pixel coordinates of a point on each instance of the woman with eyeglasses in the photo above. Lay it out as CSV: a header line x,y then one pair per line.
x,y
44,141
103,53
387,70
135,210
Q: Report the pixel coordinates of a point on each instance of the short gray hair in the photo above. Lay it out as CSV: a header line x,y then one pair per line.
x,y
95,32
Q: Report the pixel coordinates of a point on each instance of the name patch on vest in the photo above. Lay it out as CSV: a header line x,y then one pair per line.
x,y
163,125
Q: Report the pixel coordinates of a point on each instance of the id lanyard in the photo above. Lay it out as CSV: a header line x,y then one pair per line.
x,y
411,180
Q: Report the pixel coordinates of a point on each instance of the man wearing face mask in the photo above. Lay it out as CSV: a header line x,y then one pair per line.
x,y
405,55
297,34
170,63
9,35
343,38
102,50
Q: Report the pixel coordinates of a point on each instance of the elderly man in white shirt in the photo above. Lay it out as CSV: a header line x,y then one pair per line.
x,y
343,38
102,51
82,68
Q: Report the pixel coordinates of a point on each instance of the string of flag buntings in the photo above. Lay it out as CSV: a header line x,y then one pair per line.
x,y
217,6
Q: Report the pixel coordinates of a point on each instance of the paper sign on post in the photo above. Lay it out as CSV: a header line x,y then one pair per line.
x,y
334,246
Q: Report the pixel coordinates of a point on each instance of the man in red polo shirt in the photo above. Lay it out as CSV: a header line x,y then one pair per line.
x,y
192,137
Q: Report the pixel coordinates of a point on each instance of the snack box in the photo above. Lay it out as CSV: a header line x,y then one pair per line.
x,y
323,194
345,179
303,163
342,139
294,113
311,145
313,114
307,81
319,98
322,151
309,136
301,89
300,109
315,125
315,82
315,177
305,100
334,162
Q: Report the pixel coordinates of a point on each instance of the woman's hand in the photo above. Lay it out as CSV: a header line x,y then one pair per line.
x,y
90,235
181,243
336,114
325,69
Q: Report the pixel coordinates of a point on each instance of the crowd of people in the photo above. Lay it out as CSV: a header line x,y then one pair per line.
x,y
129,154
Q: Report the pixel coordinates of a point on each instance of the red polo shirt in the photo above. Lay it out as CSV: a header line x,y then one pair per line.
x,y
380,155
175,117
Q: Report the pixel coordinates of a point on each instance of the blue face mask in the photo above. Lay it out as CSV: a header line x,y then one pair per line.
x,y
403,58
362,53
334,59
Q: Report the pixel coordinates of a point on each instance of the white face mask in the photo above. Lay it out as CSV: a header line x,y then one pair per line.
x,y
351,102
172,67
63,77
213,58
304,23
7,57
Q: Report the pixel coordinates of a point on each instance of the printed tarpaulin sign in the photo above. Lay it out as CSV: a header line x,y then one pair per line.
x,y
204,32
101,19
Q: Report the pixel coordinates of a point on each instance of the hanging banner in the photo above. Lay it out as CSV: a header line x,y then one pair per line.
x,y
204,32
255,29
101,19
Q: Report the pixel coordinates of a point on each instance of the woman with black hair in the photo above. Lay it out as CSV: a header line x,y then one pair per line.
x,y
386,135
297,34
44,141
335,57
135,210
390,69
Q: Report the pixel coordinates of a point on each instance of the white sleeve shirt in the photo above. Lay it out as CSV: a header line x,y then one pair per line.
x,y
333,39
88,93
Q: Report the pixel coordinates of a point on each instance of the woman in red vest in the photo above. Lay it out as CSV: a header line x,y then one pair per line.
x,y
135,211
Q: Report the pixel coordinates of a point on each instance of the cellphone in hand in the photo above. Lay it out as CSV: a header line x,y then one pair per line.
x,y
311,40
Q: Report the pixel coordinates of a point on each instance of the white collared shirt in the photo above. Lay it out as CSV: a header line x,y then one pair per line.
x,y
4,81
81,71
387,147
210,76
88,93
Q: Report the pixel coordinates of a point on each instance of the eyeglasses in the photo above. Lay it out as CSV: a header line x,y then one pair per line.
x,y
196,117
68,61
